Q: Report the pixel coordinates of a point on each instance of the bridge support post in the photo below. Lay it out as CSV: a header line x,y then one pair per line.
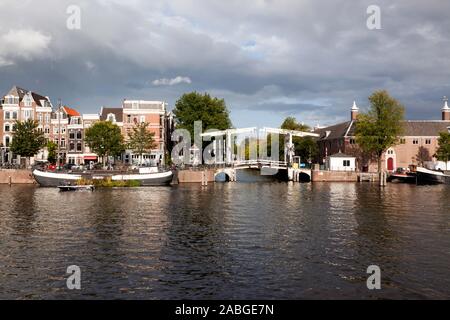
x,y
229,149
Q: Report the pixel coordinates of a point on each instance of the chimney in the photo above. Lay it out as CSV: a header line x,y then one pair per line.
x,y
355,111
445,110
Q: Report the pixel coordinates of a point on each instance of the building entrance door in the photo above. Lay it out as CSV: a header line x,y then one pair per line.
x,y
390,164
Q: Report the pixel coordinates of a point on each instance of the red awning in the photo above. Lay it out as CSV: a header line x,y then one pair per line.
x,y
90,158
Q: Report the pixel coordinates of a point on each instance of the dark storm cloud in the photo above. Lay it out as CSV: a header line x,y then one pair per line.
x,y
278,57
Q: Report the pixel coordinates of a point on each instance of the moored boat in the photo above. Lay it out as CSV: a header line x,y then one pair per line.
x,y
147,179
426,176
76,188
402,177
56,179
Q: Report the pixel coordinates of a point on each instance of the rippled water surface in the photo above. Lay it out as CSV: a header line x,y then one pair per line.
x,y
235,240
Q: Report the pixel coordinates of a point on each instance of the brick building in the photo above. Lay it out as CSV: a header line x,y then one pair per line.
x,y
153,113
20,105
66,126
416,147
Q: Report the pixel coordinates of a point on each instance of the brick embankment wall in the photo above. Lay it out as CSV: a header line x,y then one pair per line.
x,y
339,176
191,176
16,177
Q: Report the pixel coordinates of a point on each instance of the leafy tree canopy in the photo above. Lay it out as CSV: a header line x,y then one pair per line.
x,y
443,151
305,147
379,128
105,139
290,123
194,106
141,140
27,139
51,148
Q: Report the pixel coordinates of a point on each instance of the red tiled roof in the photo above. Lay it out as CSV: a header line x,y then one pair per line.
x,y
71,112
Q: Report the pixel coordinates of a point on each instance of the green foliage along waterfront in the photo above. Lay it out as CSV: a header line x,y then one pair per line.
x,y
109,183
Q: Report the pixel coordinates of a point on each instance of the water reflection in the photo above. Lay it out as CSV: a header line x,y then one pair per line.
x,y
233,240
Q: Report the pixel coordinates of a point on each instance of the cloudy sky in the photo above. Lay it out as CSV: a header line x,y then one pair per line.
x,y
267,58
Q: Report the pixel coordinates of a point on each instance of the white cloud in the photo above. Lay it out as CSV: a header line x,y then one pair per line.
x,y
171,82
23,44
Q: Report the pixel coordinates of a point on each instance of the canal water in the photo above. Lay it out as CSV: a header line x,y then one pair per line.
x,y
266,240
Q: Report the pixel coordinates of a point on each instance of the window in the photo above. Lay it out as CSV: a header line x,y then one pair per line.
x,y
26,114
346,163
79,135
135,105
129,118
79,146
63,143
74,120
27,102
7,141
142,119
352,141
428,141
71,135
14,115
47,130
415,141
402,141
7,115
111,117
71,146
7,127
40,117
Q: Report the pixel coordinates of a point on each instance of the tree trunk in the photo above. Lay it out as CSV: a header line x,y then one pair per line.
x,y
379,163
381,175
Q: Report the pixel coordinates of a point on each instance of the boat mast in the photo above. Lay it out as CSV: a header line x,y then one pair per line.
x,y
59,134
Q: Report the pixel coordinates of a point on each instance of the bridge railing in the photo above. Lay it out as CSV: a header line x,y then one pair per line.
x,y
259,162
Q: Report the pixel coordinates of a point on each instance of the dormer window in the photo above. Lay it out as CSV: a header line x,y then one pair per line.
x,y
75,120
27,101
11,100
111,117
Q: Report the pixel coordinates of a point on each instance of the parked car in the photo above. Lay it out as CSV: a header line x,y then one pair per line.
x,y
68,166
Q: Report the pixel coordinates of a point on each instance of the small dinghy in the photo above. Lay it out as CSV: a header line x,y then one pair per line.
x,y
76,188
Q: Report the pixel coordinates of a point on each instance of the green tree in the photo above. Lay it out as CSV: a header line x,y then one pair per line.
x,y
379,128
105,139
305,147
443,151
423,155
27,139
141,140
194,106
290,123
51,148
